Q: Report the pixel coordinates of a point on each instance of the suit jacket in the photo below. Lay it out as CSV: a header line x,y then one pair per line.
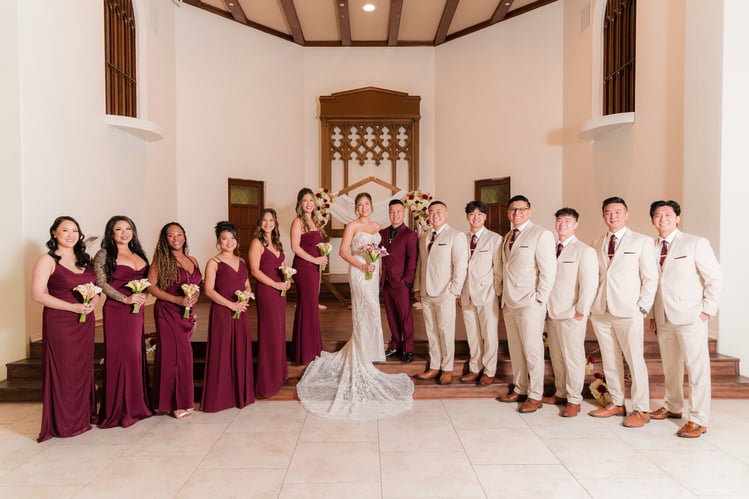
x,y
628,281
483,269
690,281
399,267
443,269
527,272
576,282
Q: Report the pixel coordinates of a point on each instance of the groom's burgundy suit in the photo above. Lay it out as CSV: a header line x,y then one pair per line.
x,y
396,279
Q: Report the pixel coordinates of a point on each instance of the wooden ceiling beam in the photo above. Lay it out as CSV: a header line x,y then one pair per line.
x,y
292,20
447,18
501,11
396,8
344,22
236,11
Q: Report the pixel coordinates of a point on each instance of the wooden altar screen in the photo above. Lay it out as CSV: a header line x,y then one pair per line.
x,y
363,129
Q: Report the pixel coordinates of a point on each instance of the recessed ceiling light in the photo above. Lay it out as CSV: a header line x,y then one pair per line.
x,y
369,7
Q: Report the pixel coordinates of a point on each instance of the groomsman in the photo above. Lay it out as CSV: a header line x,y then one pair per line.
x,y
688,293
397,277
627,280
478,300
527,272
440,273
569,305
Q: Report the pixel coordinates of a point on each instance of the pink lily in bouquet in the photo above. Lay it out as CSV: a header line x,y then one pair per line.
x,y
373,252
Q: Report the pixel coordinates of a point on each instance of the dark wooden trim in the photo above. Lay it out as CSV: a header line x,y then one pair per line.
x,y
513,13
236,11
292,20
227,15
447,18
344,23
396,8
501,11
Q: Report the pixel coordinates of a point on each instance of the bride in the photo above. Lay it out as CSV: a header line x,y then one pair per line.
x,y
345,384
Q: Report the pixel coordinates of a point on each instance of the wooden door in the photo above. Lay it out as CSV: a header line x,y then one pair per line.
x,y
246,199
495,192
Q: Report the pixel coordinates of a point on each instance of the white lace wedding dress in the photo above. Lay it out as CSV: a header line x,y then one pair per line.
x,y
345,384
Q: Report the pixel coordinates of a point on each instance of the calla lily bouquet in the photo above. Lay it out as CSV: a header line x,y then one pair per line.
x,y
373,253
137,286
242,295
87,291
325,249
287,273
189,290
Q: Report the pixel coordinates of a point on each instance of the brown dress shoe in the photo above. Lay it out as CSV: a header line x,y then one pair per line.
x,y
570,410
486,380
430,374
664,413
691,430
636,419
446,378
469,377
512,396
530,405
608,411
553,400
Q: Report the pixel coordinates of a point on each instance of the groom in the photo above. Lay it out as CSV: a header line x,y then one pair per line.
x,y
440,274
397,277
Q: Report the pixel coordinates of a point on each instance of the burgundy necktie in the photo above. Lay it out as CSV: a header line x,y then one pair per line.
x,y
664,251
612,246
431,241
560,246
513,237
474,240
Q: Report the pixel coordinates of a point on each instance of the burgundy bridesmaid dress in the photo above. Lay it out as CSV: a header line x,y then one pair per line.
x,y
272,370
125,401
306,338
173,386
69,401
228,380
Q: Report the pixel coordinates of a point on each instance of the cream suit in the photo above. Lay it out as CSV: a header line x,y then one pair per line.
x,y
525,280
440,274
479,302
689,283
626,284
574,290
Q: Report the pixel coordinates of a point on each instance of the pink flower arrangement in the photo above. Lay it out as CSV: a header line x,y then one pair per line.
x,y
372,252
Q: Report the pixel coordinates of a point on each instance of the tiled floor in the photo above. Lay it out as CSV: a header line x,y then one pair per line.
x,y
441,448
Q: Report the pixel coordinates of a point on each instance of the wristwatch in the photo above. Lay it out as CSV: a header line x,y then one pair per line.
x,y
643,311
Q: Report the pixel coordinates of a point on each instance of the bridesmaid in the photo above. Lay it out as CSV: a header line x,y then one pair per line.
x,y
173,389
266,256
305,235
120,260
69,402
228,380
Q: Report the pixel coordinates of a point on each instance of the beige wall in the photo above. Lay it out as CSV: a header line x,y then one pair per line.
x,y
499,112
12,276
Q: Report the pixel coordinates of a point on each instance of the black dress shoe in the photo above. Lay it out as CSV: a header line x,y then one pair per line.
x,y
389,353
408,357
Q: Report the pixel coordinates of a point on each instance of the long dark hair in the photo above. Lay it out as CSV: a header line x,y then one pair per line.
x,y
275,235
108,244
300,213
226,226
82,259
165,260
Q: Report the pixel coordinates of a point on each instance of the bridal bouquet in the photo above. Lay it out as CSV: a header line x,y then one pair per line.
x,y
137,286
189,290
325,249
87,291
373,253
242,295
287,273
600,390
